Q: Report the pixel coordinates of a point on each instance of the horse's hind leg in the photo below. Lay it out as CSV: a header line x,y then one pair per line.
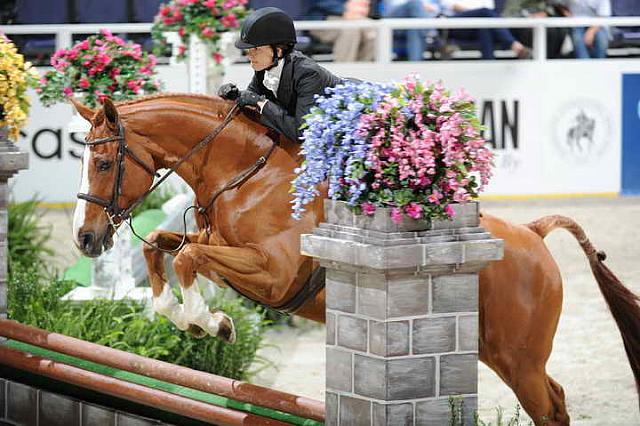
x,y
244,264
164,302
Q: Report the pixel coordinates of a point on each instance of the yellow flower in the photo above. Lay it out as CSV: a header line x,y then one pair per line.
x,y
16,76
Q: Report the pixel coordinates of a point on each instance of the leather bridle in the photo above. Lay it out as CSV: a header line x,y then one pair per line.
x,y
117,215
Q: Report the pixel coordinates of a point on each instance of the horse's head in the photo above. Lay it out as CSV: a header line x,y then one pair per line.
x,y
116,171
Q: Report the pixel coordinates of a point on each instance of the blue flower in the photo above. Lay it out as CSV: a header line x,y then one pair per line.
x,y
331,145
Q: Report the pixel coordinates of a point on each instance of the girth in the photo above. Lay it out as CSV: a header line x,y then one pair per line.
x,y
314,284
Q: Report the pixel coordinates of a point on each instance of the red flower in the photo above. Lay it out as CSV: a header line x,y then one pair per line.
x,y
208,32
230,21
217,57
84,83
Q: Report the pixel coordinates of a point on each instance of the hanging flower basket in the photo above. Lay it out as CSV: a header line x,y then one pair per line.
x,y
100,66
413,148
207,20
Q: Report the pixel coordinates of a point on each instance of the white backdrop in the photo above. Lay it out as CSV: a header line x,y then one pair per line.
x,y
532,112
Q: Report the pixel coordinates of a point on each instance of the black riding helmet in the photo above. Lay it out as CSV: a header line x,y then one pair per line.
x,y
266,26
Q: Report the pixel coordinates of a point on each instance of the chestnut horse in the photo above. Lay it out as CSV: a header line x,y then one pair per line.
x,y
247,238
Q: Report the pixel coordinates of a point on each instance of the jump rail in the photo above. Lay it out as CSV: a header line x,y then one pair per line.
x,y
384,27
18,353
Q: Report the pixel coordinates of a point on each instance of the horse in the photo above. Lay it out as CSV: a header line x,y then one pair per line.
x,y
247,238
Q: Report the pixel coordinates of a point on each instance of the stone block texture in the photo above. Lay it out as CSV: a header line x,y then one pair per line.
x,y
402,315
24,405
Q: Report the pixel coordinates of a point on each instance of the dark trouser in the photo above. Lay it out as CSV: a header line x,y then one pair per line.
x,y
555,38
485,36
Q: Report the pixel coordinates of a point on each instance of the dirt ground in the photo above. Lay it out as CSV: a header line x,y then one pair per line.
x,y
588,358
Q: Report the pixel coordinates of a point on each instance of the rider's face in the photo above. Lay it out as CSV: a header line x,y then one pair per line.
x,y
261,57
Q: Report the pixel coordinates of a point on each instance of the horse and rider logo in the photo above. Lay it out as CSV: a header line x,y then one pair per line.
x,y
582,131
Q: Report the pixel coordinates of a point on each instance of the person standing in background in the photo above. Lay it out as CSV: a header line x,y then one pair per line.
x,y
416,39
590,42
349,44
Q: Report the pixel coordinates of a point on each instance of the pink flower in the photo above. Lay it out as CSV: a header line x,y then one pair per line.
x,y
435,197
84,83
230,21
68,92
210,3
396,215
208,32
181,31
229,4
449,211
217,57
368,209
413,210
181,50
105,32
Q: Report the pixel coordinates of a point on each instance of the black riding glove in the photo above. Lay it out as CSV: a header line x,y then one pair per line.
x,y
229,91
249,98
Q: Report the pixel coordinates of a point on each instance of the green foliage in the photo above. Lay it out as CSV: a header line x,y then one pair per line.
x,y
27,238
457,414
125,325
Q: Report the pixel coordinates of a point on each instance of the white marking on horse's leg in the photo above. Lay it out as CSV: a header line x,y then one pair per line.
x,y
81,205
197,311
166,304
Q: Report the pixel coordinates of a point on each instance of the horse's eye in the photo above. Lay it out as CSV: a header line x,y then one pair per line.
x,y
104,165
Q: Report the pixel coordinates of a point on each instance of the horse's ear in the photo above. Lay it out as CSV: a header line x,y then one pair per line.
x,y
84,111
110,112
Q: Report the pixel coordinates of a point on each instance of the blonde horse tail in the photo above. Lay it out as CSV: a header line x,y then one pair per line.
x,y
623,304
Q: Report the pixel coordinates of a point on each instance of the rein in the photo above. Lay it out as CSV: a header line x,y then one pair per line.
x,y
116,215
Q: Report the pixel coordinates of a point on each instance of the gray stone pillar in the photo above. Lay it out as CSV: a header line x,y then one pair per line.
x,y
402,314
11,161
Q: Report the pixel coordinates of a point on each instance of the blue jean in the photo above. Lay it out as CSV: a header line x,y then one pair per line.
x,y
486,36
599,48
416,39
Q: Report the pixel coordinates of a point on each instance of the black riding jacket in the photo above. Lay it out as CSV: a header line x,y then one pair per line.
x,y
301,79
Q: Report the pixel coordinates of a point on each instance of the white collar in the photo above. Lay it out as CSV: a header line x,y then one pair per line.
x,y
272,76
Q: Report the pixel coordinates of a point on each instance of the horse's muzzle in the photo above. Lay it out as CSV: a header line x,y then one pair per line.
x,y
92,246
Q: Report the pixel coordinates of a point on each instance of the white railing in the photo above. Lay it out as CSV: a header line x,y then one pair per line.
x,y
384,28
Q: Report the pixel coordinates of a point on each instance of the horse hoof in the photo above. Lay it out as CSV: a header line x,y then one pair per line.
x,y
196,331
226,329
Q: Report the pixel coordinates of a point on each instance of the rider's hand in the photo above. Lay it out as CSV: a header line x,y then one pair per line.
x,y
229,91
249,98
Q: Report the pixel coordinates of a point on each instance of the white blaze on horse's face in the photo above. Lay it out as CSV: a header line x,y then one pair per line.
x,y
81,205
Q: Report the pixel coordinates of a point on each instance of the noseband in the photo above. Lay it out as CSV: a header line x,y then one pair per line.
x,y
117,215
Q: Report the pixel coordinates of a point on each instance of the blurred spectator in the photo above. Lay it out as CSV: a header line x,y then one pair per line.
x,y
590,42
416,40
349,45
538,9
486,37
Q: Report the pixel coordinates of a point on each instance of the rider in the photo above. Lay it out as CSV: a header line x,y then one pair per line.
x,y
285,81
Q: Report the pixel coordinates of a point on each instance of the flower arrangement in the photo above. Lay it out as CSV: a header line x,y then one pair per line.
x,y
413,147
16,76
205,19
100,66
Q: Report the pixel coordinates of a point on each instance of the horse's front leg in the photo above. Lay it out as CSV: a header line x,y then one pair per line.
x,y
237,264
164,301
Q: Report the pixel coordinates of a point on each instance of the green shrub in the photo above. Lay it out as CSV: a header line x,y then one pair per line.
x,y
27,238
125,325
